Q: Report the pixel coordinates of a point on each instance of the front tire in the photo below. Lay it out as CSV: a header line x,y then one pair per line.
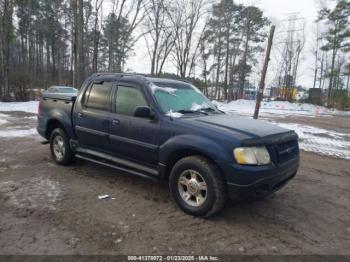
x,y
197,186
60,148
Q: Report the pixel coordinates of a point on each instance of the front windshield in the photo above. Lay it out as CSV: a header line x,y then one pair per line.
x,y
180,98
67,90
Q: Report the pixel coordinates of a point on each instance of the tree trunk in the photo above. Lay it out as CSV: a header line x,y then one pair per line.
x,y
232,95
348,81
74,43
80,43
154,54
6,41
243,67
96,39
227,63
316,71
217,94
53,61
321,71
331,78
95,52
156,42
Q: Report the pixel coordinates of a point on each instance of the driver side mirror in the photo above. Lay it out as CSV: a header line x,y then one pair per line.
x,y
144,112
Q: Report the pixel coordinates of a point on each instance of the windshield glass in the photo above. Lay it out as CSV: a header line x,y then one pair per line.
x,y
180,97
62,90
67,90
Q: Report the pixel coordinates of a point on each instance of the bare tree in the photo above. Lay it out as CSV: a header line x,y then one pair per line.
x,y
120,27
185,17
316,52
160,33
96,34
293,43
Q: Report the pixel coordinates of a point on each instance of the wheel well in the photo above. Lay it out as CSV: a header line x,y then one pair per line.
x,y
52,125
176,156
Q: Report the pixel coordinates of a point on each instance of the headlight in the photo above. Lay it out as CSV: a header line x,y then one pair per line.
x,y
252,156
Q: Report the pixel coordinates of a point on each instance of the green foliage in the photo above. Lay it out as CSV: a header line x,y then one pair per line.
x,y
341,99
234,35
117,38
336,39
338,22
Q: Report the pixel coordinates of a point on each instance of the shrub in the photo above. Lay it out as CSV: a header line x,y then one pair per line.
x,y
341,100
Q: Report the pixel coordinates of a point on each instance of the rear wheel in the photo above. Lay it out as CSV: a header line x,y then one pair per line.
x,y
197,186
60,148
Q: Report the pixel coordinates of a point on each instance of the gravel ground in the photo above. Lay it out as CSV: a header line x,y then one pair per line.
x,y
48,209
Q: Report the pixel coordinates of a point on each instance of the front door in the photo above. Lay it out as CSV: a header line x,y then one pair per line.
x,y
131,137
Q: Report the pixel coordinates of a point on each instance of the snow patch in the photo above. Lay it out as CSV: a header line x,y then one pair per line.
x,y
321,141
29,107
154,88
277,109
13,133
197,107
174,114
3,121
3,116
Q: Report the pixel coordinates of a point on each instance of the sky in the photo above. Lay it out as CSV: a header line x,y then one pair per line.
x,y
276,11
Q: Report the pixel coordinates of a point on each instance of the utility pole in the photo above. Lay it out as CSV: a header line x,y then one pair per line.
x,y
263,75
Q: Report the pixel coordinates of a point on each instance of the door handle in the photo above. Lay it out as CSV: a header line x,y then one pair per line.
x,y
80,115
115,122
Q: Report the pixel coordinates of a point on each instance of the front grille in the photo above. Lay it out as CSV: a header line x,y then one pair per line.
x,y
283,152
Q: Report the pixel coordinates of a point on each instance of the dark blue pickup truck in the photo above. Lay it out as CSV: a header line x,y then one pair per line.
x,y
168,130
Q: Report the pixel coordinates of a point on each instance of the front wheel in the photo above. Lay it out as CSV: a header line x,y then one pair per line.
x,y
60,148
197,186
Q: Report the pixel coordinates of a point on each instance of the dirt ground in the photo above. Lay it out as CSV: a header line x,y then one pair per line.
x,y
48,209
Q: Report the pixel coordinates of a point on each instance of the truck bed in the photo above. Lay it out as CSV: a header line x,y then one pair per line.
x,y
59,96
56,107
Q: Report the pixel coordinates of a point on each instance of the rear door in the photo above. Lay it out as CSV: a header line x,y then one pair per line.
x,y
92,118
131,137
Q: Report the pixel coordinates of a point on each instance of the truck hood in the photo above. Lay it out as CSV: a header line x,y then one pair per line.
x,y
246,127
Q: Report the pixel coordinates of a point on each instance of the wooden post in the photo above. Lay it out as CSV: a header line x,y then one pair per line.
x,y
263,75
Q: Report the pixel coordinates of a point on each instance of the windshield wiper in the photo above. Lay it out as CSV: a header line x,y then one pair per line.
x,y
184,111
206,109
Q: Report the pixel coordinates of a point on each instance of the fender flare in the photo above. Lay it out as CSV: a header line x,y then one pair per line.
x,y
200,144
63,119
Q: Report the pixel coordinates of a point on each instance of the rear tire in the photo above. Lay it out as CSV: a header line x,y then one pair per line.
x,y
60,148
197,186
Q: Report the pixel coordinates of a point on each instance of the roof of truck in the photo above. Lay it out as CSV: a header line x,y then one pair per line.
x,y
138,76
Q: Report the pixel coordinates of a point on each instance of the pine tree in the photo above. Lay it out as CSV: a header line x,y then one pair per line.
x,y
338,22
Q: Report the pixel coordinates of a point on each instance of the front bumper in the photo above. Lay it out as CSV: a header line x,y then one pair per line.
x,y
247,181
260,189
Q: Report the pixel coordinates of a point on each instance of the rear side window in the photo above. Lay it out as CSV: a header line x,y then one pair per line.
x,y
99,96
128,99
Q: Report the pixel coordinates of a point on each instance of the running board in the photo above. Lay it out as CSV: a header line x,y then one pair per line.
x,y
117,161
129,171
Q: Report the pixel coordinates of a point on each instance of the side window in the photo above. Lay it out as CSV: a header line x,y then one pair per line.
x,y
99,96
128,99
